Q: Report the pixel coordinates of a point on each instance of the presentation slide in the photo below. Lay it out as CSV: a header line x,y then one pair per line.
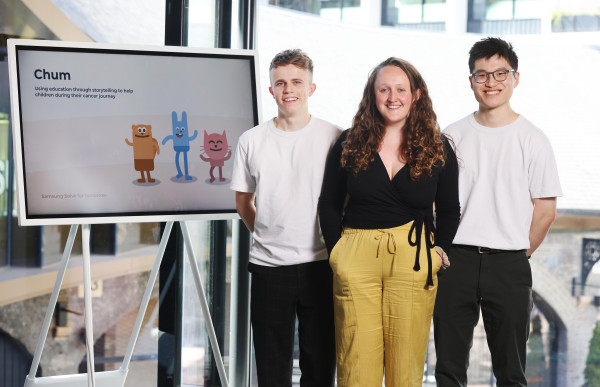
x,y
105,134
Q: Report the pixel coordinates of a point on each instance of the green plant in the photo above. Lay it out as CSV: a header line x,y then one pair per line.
x,y
592,364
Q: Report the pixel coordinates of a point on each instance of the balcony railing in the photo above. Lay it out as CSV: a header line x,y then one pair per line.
x,y
571,23
433,27
502,27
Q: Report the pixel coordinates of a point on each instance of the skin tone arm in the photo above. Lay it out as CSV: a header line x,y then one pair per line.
x,y
544,213
443,257
244,204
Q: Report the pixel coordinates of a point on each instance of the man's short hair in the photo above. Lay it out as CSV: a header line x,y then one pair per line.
x,y
294,57
489,47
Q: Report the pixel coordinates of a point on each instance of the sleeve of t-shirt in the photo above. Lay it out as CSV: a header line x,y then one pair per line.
x,y
447,204
333,196
543,172
241,178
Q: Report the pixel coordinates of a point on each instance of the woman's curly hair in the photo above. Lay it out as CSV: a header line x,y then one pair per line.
x,y
422,147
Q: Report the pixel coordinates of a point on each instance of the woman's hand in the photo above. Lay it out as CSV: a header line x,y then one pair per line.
x,y
443,257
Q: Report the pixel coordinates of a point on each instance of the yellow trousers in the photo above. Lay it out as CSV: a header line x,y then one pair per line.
x,y
382,307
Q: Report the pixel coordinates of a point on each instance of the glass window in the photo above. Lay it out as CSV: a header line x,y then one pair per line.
x,y
499,10
505,9
311,6
198,366
129,22
500,17
16,21
528,9
122,255
416,11
409,11
477,9
434,11
341,10
201,23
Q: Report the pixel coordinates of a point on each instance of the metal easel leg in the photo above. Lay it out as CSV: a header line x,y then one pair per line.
x,y
115,378
52,304
87,301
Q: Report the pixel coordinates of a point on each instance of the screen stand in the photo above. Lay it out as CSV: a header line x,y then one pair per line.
x,y
114,378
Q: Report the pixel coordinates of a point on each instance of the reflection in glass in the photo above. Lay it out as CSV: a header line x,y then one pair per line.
x,y
201,23
122,255
197,364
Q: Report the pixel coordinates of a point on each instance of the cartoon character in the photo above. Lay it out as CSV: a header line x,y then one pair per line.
x,y
145,148
217,150
181,142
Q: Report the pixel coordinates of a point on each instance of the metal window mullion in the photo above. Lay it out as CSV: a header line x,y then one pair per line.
x,y
10,195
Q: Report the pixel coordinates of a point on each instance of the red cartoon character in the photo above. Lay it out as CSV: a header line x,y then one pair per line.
x,y
217,152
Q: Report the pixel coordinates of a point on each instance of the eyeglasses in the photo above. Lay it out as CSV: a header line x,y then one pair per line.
x,y
499,75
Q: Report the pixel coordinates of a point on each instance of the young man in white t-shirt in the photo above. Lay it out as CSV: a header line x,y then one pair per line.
x,y
277,175
508,184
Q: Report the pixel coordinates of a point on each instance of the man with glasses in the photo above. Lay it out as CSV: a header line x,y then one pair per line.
x,y
508,184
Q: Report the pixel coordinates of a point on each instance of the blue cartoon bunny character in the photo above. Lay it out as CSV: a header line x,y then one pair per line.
x,y
181,142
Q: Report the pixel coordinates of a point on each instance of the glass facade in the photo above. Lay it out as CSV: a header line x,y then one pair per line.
x,y
495,17
339,10
576,16
202,22
173,345
427,15
420,11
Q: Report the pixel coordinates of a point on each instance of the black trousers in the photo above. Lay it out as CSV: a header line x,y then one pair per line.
x,y
278,296
500,286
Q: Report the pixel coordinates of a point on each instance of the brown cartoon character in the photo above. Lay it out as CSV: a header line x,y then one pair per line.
x,y
145,147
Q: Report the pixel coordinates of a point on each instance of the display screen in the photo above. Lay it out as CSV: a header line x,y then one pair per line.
x,y
106,133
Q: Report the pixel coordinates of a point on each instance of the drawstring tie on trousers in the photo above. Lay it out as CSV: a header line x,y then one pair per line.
x,y
426,221
391,244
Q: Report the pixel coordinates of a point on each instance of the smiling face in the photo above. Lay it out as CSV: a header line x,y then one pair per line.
x,y
291,86
393,96
141,131
215,145
493,95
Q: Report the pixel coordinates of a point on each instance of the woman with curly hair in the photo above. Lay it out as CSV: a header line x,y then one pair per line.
x,y
382,178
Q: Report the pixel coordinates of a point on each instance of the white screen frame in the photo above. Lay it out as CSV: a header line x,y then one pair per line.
x,y
27,217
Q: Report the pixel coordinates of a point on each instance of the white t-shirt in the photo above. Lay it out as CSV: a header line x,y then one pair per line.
x,y
500,171
285,170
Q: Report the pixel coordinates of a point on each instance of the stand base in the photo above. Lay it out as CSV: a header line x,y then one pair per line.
x,y
103,379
